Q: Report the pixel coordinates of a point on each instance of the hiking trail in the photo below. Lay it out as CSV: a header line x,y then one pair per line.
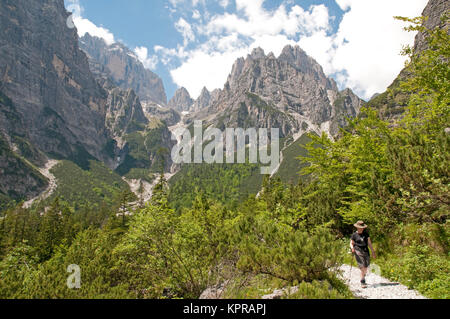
x,y
378,287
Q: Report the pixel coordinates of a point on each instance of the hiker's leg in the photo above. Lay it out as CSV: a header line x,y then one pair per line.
x,y
363,272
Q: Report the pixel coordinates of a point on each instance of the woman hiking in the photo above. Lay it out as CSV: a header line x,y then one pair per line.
x,y
360,244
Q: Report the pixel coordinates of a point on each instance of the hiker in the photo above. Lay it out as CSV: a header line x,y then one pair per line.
x,y
360,244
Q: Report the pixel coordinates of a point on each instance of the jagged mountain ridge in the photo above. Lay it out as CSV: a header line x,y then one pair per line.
x,y
53,105
49,82
181,100
291,92
125,69
140,129
110,63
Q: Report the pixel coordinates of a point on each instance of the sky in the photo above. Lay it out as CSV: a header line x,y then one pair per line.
x,y
194,43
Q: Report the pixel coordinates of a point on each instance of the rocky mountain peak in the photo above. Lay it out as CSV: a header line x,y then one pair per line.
x,y
204,93
181,101
125,69
299,59
204,100
257,53
290,92
271,56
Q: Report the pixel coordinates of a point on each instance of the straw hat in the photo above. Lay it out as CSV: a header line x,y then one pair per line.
x,y
360,224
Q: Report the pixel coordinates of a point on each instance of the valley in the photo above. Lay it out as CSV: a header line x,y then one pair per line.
x,y
87,176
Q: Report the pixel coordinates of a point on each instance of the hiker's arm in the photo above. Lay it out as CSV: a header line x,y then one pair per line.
x,y
371,247
352,245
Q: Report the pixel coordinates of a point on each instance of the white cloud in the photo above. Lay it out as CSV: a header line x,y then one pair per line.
x,y
369,41
363,54
196,15
230,36
344,4
185,29
224,3
142,55
85,26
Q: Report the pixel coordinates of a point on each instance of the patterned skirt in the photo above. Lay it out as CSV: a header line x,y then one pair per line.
x,y
362,257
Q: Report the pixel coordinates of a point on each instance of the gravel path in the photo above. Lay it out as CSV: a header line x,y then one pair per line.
x,y
377,287
52,183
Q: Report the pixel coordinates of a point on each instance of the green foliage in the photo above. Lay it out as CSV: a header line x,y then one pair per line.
x,y
94,186
226,183
319,290
385,175
271,247
170,255
356,169
147,150
290,166
91,251
14,268
52,230
419,267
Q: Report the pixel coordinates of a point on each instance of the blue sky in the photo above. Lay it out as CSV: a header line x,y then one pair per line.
x,y
193,43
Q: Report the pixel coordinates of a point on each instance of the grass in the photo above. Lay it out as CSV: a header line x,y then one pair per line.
x,y
95,185
291,165
226,183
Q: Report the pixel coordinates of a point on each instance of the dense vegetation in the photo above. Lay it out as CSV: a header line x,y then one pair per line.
x,y
93,186
228,184
148,149
394,178
290,167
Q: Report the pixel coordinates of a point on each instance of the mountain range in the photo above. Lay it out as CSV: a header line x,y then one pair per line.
x,y
79,99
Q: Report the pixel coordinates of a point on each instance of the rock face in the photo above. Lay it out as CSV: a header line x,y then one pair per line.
x,y
434,11
124,113
54,103
392,105
290,92
168,115
203,100
139,134
49,82
18,177
181,101
125,69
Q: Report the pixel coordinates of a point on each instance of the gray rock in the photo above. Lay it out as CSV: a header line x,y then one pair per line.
x,y
47,77
125,69
284,92
181,101
168,115
203,101
434,11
